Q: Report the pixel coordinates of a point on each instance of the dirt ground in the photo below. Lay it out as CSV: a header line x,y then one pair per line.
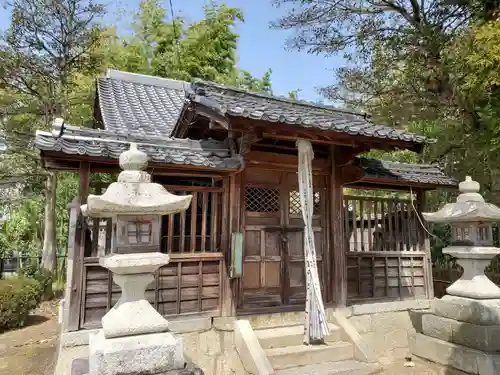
x,y
419,367
31,350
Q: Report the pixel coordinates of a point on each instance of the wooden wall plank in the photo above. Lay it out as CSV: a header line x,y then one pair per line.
x,y
386,275
182,287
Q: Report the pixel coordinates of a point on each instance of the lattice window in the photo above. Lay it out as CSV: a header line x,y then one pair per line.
x,y
139,232
262,199
294,207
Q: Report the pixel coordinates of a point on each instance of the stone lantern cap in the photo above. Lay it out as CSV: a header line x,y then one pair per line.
x,y
134,193
469,207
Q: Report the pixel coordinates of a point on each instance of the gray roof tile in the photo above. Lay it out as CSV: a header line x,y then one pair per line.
x,y
208,153
404,172
106,144
138,105
240,103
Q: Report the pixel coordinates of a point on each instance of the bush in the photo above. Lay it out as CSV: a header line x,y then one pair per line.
x,y
18,296
43,276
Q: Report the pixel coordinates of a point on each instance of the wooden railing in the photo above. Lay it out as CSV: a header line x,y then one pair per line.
x,y
199,229
386,250
381,224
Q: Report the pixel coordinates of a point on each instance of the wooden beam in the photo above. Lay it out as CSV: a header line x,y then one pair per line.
x,y
59,161
79,249
316,135
424,242
245,142
350,174
339,266
346,155
280,160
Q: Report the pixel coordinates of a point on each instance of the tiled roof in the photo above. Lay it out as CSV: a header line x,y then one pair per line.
x,y
103,143
403,172
240,103
208,153
139,105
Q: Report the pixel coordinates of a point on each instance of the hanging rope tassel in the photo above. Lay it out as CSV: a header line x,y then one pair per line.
x,y
316,326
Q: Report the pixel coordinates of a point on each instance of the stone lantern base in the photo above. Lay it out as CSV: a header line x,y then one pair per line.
x,y
154,353
461,333
134,339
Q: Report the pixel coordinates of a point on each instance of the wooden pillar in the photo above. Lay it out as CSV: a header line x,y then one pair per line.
x,y
337,248
79,248
231,220
424,244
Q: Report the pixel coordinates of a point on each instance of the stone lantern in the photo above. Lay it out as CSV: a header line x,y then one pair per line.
x,y
134,337
462,329
471,221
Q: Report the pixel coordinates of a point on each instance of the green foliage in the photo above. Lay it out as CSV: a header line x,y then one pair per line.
x,y
23,229
47,71
42,276
18,296
294,94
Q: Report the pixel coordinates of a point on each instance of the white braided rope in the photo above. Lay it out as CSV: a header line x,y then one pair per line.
x,y
316,326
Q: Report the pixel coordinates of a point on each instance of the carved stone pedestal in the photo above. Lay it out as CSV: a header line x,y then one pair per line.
x,y
134,338
473,283
140,354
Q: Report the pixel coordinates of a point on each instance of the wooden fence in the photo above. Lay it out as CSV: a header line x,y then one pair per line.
x,y
10,266
386,250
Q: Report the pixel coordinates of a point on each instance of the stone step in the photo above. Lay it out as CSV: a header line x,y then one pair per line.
x,y
279,337
302,355
349,367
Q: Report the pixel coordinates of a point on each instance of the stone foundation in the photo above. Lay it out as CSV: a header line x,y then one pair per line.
x,y
460,333
208,344
385,327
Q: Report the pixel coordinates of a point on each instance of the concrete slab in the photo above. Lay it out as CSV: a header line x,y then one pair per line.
x,y
66,357
280,337
302,355
247,345
349,367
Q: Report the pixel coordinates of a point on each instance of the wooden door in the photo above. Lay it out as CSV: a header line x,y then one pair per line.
x,y
294,264
262,281
273,260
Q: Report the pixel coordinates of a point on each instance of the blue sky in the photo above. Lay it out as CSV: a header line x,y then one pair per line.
x,y
260,47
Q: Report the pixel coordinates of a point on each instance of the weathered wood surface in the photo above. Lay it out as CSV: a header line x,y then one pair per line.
x,y
337,236
189,284
381,224
273,261
386,275
79,249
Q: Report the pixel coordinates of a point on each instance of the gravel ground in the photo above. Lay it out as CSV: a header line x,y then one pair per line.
x,y
31,350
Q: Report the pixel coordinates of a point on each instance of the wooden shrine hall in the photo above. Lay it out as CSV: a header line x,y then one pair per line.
x,y
238,249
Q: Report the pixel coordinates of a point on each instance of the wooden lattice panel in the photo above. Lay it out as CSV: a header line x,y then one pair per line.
x,y
262,199
295,208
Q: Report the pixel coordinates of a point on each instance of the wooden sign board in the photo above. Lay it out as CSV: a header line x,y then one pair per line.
x,y
236,255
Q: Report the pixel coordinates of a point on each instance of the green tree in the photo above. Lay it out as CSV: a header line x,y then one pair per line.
x,y
421,65
42,55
